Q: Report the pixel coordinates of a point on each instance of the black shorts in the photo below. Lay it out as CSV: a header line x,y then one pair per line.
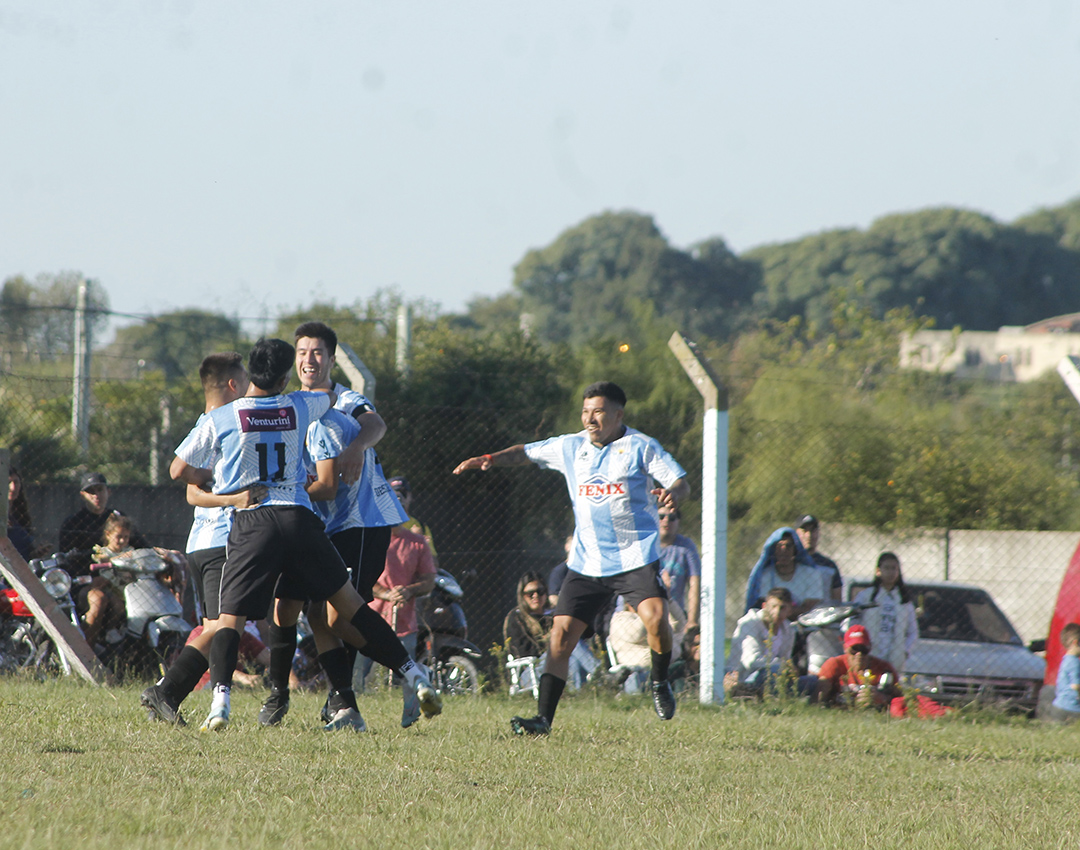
x,y
364,552
582,597
205,567
279,540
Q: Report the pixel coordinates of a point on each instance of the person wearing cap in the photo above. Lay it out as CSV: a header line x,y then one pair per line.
x,y
99,606
857,677
401,488
809,531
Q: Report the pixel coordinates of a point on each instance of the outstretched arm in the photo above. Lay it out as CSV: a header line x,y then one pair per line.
x,y
513,456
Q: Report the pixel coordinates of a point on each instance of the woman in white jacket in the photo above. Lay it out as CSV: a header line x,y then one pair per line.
x,y
892,624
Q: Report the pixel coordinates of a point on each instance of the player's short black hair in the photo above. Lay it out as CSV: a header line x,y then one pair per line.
x,y
317,330
270,360
605,389
217,369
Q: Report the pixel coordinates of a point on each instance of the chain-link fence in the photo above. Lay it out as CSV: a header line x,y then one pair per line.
x,y
491,527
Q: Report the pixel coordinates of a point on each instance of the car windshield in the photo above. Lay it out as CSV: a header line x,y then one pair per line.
x,y
959,613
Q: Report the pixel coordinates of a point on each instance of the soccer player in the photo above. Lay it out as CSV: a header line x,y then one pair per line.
x,y
224,379
359,518
261,441
610,471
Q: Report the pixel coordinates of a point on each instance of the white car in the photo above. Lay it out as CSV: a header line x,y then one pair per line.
x,y
967,650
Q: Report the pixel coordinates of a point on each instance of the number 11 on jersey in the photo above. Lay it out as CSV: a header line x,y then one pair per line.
x,y
262,449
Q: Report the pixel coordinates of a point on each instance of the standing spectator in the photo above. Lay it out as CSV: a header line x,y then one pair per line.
x,y
403,491
809,530
892,625
784,563
680,566
409,573
20,526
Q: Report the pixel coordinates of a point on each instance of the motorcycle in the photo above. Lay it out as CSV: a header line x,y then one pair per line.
x,y
156,630
442,642
818,635
25,645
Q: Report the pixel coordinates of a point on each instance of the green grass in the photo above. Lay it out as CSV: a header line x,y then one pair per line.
x,y
81,767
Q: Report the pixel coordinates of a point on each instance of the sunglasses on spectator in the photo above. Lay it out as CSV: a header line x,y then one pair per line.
x,y
865,650
537,592
672,517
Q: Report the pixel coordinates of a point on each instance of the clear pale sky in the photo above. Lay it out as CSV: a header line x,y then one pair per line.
x,y
245,157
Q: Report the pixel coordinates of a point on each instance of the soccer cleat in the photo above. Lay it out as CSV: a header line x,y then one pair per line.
x,y
346,718
275,708
430,701
410,709
160,707
217,720
663,700
537,725
326,714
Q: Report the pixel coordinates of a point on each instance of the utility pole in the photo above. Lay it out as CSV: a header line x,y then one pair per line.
x,y
714,515
404,339
80,395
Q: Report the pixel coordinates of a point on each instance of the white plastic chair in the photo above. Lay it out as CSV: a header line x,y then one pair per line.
x,y
523,676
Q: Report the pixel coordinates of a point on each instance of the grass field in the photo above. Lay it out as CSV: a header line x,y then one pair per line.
x,y
82,768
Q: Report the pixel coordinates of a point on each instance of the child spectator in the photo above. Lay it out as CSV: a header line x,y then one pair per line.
x,y
1066,705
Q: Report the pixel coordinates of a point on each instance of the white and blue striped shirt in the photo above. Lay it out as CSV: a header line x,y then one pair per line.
x,y
616,525
260,441
210,526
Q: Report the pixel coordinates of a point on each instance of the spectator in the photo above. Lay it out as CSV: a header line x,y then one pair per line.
x,y
401,488
857,678
680,566
1066,705
629,643
892,624
761,646
409,573
809,531
686,672
784,563
557,574
528,625
20,526
97,603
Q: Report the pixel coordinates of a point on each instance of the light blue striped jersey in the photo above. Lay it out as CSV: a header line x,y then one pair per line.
x,y
370,502
327,438
261,441
210,526
616,526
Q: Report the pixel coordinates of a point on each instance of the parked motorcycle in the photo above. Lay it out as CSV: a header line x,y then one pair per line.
x,y
818,635
156,629
25,645
442,643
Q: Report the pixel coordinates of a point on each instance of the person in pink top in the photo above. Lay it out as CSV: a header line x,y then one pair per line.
x,y
408,574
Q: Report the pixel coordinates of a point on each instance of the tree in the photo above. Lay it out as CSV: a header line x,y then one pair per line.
x,y
38,319
176,342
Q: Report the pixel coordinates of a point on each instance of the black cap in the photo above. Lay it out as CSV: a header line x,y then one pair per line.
x,y
808,521
91,479
399,482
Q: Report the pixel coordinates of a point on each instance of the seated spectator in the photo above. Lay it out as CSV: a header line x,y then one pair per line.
x,y
892,625
629,643
19,525
526,627
857,678
785,563
761,647
1066,705
685,673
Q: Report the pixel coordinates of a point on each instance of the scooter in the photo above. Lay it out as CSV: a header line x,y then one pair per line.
x,y
156,629
25,645
442,642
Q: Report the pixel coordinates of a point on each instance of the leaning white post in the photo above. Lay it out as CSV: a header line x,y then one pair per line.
x,y
714,515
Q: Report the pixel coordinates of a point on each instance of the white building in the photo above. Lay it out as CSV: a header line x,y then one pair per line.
x,y
1011,353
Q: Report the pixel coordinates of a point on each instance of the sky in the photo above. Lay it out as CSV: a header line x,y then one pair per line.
x,y
252,157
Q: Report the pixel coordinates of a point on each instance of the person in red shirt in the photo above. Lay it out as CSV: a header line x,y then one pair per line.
x,y
857,678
